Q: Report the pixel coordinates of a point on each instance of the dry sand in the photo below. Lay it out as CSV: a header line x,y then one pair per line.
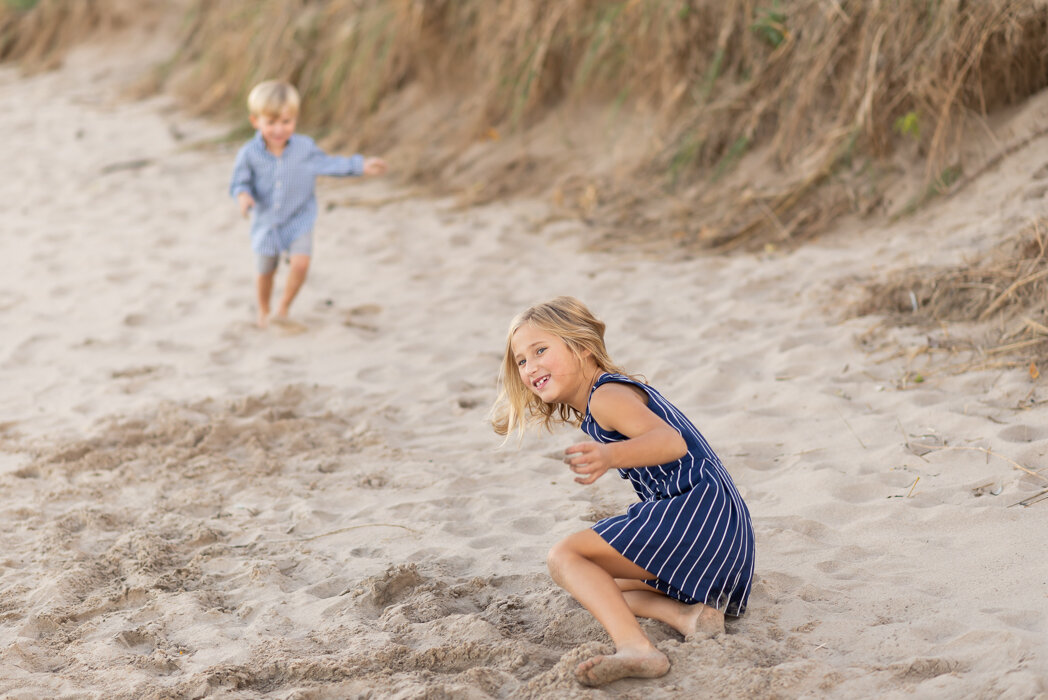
x,y
192,507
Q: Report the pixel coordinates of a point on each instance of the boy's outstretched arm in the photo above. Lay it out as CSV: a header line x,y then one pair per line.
x,y
340,166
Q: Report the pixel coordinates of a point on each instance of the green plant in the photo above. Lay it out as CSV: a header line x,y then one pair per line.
x,y
519,82
712,74
21,5
938,186
908,125
770,25
685,156
731,158
947,177
604,51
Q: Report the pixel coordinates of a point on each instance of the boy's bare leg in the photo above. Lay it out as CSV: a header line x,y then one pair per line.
x,y
295,278
264,290
697,621
586,567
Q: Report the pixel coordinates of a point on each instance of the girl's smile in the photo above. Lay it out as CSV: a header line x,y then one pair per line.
x,y
550,369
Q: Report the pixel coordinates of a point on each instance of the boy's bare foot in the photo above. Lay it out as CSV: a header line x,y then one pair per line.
x,y
701,622
623,664
263,319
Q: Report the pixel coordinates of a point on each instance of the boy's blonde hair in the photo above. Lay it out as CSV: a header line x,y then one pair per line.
x,y
567,318
272,98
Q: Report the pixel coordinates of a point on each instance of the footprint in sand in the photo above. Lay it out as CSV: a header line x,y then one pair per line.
x,y
1022,433
8,300
136,371
26,350
330,587
223,357
362,317
285,326
137,640
1036,192
376,374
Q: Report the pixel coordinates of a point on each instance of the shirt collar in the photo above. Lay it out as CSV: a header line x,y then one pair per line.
x,y
259,143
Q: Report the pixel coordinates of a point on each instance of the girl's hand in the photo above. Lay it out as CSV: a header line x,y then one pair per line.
x,y
590,459
374,166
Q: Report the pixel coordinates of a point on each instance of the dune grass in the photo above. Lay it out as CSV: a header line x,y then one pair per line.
x,y
815,89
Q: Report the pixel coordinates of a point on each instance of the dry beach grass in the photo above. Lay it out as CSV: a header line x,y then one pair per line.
x,y
635,115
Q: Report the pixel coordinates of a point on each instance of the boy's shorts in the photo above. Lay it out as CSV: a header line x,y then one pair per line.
x,y
303,245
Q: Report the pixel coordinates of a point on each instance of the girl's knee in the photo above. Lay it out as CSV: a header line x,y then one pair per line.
x,y
558,554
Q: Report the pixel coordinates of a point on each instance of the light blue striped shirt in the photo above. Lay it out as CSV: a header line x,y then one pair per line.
x,y
283,188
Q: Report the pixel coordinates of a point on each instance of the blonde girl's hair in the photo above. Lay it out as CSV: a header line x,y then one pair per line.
x,y
272,98
517,407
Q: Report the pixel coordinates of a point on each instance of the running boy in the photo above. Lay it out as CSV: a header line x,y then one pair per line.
x,y
274,177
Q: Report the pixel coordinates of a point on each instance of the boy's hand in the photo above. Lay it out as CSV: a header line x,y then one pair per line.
x,y
246,202
374,166
590,459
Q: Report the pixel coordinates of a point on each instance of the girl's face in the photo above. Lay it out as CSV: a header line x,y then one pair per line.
x,y
549,368
276,129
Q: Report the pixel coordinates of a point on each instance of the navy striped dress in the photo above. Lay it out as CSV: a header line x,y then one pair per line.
x,y
691,528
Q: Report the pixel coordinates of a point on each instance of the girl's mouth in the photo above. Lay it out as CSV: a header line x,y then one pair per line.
x,y
540,382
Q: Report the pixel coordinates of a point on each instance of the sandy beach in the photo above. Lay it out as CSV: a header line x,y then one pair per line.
x,y
193,507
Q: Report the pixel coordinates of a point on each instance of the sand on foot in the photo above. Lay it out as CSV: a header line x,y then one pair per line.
x,y
603,669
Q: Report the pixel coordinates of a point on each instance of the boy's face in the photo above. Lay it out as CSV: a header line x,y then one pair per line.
x,y
276,128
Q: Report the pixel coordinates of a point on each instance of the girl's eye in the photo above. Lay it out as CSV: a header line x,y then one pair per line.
x,y
520,363
540,351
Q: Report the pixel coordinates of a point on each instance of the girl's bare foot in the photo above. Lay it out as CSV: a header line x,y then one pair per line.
x,y
701,622
623,664
263,318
